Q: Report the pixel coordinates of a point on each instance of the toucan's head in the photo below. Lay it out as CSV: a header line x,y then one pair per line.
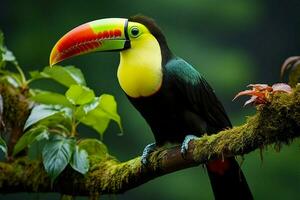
x,y
111,34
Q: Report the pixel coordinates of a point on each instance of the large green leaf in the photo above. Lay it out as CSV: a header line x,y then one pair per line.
x,y
82,110
34,134
41,112
57,154
36,148
58,123
97,119
3,146
99,112
79,95
67,76
52,98
109,105
80,161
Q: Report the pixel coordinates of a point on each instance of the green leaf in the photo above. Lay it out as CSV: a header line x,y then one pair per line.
x,y
79,95
12,81
60,122
95,148
41,112
109,106
36,75
5,54
98,113
97,119
80,161
36,148
82,110
8,56
3,146
12,78
57,154
67,76
51,98
34,134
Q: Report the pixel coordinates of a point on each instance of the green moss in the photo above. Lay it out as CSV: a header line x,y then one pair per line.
x,y
15,111
114,176
24,171
15,105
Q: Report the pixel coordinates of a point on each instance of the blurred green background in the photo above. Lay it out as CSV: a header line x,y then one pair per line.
x,y
232,43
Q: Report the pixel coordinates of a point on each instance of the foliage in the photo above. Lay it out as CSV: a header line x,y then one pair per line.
x,y
3,146
232,45
57,154
7,57
54,118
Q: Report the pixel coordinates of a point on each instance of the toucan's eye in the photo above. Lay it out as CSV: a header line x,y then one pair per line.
x,y
134,31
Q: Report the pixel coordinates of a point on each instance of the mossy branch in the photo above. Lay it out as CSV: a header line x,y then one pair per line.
x,y
274,123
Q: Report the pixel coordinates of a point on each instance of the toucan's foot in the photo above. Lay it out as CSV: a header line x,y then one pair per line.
x,y
185,144
146,153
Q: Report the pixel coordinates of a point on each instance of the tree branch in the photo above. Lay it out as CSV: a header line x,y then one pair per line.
x,y
276,123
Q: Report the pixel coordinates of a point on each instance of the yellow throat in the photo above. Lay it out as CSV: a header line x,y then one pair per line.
x,y
140,70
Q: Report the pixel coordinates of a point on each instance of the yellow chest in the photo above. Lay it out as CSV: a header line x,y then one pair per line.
x,y
140,71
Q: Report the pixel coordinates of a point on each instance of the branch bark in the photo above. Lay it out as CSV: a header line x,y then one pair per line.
x,y
275,123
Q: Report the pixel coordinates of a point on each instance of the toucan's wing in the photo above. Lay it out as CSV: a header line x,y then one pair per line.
x,y
196,93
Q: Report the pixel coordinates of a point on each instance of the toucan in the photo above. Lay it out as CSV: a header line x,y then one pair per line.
x,y
172,96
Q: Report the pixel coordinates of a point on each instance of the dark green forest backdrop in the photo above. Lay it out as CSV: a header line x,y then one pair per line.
x,y
232,43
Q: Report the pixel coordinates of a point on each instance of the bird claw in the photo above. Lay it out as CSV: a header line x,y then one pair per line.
x,y
185,145
146,153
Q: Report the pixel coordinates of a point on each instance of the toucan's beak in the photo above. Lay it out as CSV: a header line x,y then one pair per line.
x,y
100,35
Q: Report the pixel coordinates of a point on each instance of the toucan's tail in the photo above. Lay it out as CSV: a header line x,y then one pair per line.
x,y
227,180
